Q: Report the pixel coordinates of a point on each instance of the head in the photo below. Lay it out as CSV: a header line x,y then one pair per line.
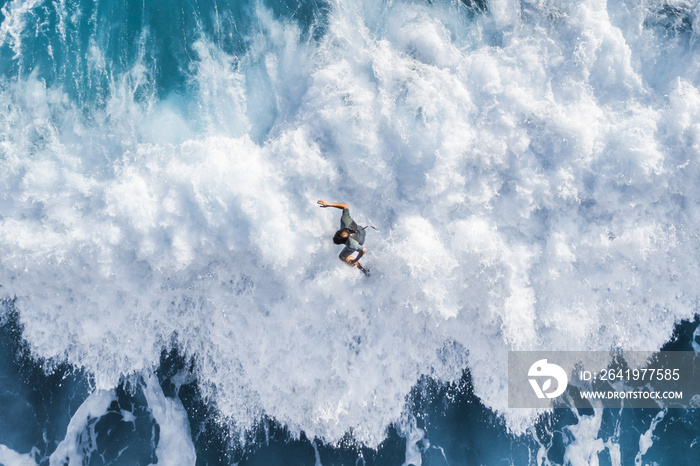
x,y
341,236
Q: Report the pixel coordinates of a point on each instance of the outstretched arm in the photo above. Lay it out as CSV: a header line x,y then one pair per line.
x,y
337,205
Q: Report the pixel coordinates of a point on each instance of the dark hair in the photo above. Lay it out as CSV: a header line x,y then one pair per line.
x,y
340,238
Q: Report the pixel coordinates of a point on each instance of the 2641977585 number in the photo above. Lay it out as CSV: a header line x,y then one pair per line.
x,y
613,375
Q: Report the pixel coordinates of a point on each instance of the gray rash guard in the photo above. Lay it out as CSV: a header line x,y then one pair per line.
x,y
355,240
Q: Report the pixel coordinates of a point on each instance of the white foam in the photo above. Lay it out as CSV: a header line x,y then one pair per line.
x,y
532,173
612,444
79,441
9,457
13,23
646,439
317,456
585,443
413,435
175,447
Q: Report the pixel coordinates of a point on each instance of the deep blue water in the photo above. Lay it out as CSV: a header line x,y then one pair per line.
x,y
459,430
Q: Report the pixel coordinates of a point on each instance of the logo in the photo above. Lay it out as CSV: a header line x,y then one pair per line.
x,y
542,369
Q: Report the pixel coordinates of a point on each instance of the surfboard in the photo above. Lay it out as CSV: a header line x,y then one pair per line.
x,y
364,270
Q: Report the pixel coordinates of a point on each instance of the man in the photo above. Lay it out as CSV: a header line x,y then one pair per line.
x,y
349,234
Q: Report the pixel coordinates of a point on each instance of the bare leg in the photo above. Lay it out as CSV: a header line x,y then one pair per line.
x,y
355,263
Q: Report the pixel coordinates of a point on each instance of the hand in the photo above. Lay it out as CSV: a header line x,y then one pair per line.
x,y
323,203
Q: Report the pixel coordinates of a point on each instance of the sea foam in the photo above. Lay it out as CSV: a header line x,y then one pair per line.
x,y
532,169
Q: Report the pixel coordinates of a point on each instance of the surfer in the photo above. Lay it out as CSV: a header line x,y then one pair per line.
x,y
349,234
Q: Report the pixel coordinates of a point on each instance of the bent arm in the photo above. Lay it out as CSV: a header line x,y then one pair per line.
x,y
362,253
337,205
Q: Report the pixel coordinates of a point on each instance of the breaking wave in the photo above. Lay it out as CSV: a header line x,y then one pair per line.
x,y
531,167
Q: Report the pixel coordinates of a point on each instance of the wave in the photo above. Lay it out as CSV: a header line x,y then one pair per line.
x,y
531,168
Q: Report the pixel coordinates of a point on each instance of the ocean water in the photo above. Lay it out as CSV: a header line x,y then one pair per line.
x,y
170,292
